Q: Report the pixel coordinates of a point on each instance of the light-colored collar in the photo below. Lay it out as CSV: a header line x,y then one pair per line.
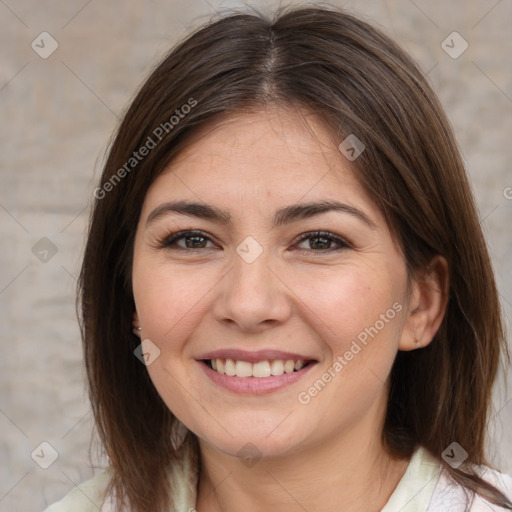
x,y
184,479
414,490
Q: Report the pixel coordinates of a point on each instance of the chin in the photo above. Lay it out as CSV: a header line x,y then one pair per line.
x,y
250,445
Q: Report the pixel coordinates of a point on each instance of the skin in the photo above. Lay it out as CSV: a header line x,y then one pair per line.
x,y
296,296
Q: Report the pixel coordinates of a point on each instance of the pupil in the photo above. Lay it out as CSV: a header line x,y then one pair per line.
x,y
324,244
194,239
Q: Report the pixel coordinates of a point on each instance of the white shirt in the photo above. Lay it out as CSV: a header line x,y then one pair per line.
x,y
424,487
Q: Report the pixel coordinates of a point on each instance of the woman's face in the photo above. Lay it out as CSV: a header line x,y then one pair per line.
x,y
254,287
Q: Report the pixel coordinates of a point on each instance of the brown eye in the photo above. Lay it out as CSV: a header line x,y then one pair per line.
x,y
322,241
191,240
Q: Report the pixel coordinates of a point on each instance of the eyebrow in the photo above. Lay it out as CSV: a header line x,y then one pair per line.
x,y
282,216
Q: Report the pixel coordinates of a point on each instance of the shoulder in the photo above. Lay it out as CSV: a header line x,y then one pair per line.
x,y
501,481
89,496
451,496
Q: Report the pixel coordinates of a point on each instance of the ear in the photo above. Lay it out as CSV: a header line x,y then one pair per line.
x,y
135,321
427,305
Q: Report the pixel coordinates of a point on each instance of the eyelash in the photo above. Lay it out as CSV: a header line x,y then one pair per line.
x,y
170,240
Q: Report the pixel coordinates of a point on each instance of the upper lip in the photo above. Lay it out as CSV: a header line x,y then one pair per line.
x,y
254,357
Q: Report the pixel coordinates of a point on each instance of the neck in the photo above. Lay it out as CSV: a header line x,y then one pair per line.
x,y
350,468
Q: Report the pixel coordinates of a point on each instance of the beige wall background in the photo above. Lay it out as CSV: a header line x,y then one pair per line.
x,y
58,114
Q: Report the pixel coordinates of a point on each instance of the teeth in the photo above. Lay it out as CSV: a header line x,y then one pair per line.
x,y
243,369
229,368
260,369
277,367
289,366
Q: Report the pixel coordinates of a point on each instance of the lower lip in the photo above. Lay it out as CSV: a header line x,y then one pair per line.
x,y
255,385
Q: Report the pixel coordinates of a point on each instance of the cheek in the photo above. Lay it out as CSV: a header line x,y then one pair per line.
x,y
350,303
170,305
169,302
358,316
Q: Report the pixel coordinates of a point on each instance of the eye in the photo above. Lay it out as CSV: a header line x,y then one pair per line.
x,y
319,241
191,240
323,240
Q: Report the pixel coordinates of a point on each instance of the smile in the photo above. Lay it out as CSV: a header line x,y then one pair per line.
x,y
260,369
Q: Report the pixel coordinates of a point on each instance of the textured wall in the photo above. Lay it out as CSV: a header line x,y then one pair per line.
x,y
57,116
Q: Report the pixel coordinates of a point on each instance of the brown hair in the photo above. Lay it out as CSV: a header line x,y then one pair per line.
x,y
357,81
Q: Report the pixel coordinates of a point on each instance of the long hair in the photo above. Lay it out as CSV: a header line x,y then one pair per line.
x,y
357,81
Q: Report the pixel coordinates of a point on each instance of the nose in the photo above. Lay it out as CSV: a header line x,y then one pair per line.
x,y
252,296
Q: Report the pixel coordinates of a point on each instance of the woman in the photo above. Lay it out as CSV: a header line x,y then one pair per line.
x,y
287,301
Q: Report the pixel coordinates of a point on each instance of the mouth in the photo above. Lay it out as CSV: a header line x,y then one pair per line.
x,y
254,372
259,369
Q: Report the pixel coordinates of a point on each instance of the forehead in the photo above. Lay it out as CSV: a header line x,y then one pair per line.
x,y
276,155
281,136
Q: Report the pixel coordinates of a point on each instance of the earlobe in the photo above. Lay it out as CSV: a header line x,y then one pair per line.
x,y
136,324
427,306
